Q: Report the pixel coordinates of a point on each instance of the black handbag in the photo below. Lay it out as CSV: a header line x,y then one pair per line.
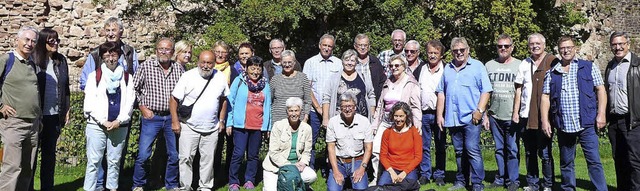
x,y
184,111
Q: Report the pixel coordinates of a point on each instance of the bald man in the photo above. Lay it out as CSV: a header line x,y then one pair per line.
x,y
198,131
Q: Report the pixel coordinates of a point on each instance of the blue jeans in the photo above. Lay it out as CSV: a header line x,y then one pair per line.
x,y
385,178
504,135
589,143
148,132
100,141
347,169
48,141
249,141
537,145
315,120
102,174
466,144
429,128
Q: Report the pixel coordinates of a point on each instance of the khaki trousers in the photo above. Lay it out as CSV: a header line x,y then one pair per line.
x,y
20,139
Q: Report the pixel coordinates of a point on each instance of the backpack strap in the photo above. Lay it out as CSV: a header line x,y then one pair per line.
x,y
7,68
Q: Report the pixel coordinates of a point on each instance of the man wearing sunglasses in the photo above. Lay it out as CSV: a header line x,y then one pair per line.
x,y
412,52
622,79
502,72
463,94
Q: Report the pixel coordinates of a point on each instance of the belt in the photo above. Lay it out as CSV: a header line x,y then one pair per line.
x,y
161,113
429,111
350,159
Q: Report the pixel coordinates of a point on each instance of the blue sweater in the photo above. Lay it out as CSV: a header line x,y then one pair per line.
x,y
237,101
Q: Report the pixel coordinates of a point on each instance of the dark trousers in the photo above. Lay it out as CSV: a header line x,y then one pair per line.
x,y
248,141
47,146
221,172
537,145
625,146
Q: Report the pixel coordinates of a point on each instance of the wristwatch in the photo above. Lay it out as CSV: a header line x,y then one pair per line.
x,y
364,165
478,109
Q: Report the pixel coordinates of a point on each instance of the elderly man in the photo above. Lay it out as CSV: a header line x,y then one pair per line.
x,y
153,85
412,51
20,109
622,78
398,38
429,76
199,131
368,65
349,144
528,86
463,94
273,66
502,72
319,69
113,30
574,97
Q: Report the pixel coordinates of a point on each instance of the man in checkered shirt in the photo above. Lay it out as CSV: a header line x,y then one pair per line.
x,y
574,100
398,38
153,83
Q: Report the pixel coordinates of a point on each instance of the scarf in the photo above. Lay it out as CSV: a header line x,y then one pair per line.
x,y
224,68
112,78
255,87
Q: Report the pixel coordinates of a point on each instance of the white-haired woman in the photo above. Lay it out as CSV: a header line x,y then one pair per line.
x,y
289,144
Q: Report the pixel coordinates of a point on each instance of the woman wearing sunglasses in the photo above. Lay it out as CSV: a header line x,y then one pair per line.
x,y
53,81
400,87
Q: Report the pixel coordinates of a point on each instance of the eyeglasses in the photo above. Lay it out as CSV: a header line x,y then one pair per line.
x,y
395,65
276,48
288,63
362,45
613,45
461,50
53,41
112,55
28,40
410,51
221,52
165,50
398,40
501,46
566,48
347,106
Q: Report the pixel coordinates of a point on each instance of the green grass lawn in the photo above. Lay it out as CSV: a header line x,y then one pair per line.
x,y
72,177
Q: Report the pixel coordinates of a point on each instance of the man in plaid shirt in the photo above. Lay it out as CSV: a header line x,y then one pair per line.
x,y
153,84
398,37
574,99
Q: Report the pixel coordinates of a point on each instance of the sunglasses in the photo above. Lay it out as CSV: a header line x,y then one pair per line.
x,y
503,46
53,41
461,50
410,51
395,65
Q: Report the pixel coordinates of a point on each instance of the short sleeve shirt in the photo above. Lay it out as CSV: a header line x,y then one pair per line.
x,y
204,116
349,139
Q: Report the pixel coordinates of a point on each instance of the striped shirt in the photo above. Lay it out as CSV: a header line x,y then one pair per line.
x,y
153,87
569,97
283,88
319,71
384,57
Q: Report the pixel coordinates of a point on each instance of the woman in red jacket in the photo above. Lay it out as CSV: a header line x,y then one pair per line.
x,y
400,158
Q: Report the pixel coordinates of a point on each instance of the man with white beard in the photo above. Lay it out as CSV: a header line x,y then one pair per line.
x,y
199,131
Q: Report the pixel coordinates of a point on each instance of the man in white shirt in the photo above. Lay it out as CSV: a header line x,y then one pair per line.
x,y
200,130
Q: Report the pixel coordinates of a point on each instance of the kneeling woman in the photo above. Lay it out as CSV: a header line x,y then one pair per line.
x,y
108,105
400,158
289,144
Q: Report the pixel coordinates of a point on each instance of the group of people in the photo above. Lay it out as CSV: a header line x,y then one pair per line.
x,y
380,113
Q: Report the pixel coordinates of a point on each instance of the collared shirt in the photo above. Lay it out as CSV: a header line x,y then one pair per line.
x,y
349,138
409,70
569,97
462,90
153,86
428,84
319,70
384,57
364,70
277,67
20,88
617,79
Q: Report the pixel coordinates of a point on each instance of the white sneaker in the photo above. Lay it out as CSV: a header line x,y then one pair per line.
x,y
546,189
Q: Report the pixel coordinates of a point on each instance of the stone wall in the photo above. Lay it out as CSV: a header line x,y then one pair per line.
x,y
79,24
604,17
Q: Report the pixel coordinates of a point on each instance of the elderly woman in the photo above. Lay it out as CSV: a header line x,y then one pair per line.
x,y
108,105
400,87
348,81
182,53
250,101
400,158
54,82
289,144
291,83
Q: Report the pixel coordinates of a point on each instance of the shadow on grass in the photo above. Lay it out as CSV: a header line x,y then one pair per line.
x,y
73,185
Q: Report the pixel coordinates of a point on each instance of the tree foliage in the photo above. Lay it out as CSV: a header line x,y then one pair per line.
x,y
300,23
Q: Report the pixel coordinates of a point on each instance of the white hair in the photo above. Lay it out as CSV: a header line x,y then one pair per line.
x,y
294,101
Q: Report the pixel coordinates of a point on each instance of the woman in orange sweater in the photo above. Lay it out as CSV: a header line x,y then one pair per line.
x,y
401,148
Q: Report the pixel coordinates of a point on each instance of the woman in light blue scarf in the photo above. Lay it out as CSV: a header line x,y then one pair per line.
x,y
108,105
